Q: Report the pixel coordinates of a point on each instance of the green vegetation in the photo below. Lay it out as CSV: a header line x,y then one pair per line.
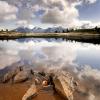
x,y
92,30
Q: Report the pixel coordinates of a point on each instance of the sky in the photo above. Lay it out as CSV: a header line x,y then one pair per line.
x,y
48,13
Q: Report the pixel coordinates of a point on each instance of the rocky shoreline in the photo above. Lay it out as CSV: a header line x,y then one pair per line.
x,y
42,82
52,82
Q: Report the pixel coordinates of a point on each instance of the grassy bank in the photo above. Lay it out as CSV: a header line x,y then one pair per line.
x,y
77,36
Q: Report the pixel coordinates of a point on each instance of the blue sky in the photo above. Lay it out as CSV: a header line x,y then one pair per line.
x,y
90,12
47,13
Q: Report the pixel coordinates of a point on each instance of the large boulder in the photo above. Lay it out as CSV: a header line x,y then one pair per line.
x,y
31,93
64,84
21,77
9,76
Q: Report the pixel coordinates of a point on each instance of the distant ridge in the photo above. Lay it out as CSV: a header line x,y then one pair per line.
x,y
41,30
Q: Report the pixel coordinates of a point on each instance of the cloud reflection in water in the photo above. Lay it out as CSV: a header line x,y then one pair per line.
x,y
79,58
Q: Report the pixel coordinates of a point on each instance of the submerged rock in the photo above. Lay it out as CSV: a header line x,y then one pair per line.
x,y
64,84
31,93
61,81
48,88
21,77
45,83
11,74
38,78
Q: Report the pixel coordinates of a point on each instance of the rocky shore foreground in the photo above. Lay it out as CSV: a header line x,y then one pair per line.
x,y
38,85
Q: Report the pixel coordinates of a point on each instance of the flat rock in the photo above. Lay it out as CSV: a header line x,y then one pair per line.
x,y
31,93
64,84
11,74
21,77
48,89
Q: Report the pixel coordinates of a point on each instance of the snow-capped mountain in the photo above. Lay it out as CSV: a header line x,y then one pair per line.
x,y
41,30
22,30
38,30
28,30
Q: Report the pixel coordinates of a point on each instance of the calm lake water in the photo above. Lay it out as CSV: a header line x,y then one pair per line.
x,y
81,59
49,53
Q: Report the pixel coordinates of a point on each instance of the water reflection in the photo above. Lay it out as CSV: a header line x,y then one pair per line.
x,y
49,53
82,59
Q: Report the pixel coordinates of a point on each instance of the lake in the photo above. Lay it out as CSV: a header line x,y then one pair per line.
x,y
82,60
49,52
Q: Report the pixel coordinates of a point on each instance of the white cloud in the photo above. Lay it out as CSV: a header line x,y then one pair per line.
x,y
59,12
7,12
22,23
10,17
62,12
56,16
24,14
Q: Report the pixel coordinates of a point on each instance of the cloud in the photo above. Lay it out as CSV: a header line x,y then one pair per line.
x,y
24,14
7,12
59,12
22,23
56,16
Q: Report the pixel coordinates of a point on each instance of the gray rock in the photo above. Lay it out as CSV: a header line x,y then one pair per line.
x,y
9,76
31,93
21,77
64,84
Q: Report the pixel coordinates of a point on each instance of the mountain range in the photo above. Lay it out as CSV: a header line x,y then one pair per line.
x,y
41,30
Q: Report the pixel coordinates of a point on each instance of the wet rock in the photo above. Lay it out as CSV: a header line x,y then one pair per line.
x,y
21,77
64,84
42,73
31,93
11,74
48,88
18,69
45,83
37,81
49,78
43,78
38,78
32,72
